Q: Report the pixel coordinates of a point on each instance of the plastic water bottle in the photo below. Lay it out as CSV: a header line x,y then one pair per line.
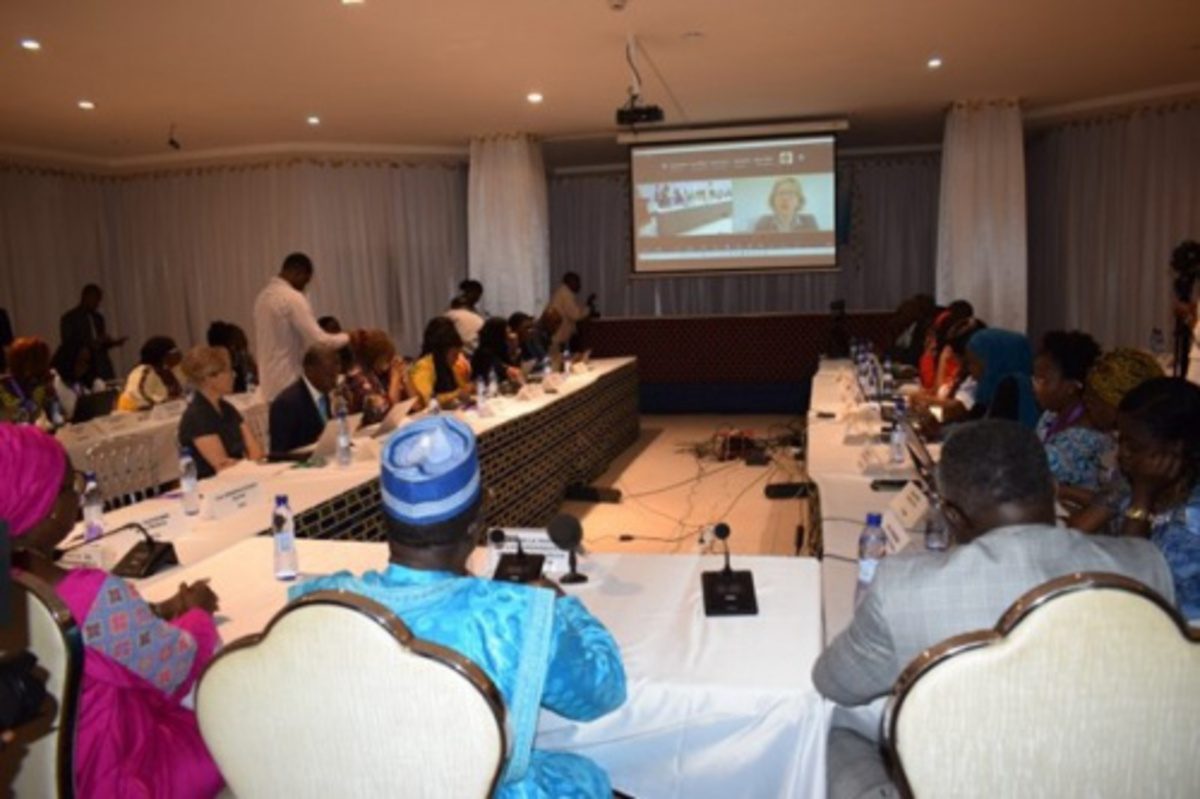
x,y
283,525
493,386
344,455
899,437
889,384
93,508
937,537
435,407
56,414
188,482
872,548
251,382
566,361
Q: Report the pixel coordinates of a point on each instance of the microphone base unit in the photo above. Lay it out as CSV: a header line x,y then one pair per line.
x,y
573,578
579,492
519,568
146,558
729,593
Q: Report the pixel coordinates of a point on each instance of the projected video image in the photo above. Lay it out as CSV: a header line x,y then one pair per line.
x,y
734,206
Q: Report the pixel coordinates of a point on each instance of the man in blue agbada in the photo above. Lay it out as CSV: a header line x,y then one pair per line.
x,y
540,648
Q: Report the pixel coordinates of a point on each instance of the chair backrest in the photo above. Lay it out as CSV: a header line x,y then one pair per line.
x,y
41,760
125,467
337,698
1088,686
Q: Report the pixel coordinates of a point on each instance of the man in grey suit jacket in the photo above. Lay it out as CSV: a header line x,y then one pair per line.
x,y
998,500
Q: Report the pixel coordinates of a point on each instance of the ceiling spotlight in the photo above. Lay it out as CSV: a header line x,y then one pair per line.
x,y
534,97
314,121
87,105
31,44
934,63
352,2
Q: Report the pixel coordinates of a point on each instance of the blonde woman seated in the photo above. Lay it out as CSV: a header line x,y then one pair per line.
x,y
212,428
442,370
153,380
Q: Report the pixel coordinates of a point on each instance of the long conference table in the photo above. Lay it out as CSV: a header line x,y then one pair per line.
x,y
720,707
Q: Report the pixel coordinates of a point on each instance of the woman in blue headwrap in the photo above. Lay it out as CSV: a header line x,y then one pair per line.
x,y
1001,362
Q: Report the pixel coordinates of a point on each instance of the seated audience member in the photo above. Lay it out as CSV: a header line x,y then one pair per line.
x,y
1079,454
946,361
1001,362
909,323
466,322
1159,456
134,735
74,376
957,398
211,427
153,380
492,359
442,371
541,649
27,391
233,338
375,378
535,337
298,414
998,499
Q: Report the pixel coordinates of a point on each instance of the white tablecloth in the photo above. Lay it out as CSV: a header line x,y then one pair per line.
x,y
716,708
195,538
161,434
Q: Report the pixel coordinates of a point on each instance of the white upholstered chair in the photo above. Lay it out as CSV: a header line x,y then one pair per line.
x,y
1089,686
337,698
41,760
125,468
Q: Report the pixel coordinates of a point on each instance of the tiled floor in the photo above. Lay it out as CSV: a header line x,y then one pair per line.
x,y
669,495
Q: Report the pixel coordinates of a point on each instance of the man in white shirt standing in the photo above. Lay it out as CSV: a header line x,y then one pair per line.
x,y
565,300
285,327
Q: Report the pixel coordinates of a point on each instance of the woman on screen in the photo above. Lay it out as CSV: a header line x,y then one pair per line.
x,y
786,202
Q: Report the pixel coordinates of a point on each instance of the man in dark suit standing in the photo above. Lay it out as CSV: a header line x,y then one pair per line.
x,y
299,413
6,338
83,327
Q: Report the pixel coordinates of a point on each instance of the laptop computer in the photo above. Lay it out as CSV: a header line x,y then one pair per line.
x,y
90,406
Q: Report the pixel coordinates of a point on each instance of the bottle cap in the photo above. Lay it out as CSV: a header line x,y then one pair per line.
x,y
874,519
280,499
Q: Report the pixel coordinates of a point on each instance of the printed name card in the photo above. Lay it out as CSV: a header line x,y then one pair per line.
x,y
897,537
534,541
221,500
911,506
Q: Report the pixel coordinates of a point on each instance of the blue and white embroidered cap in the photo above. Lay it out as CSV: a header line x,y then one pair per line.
x,y
430,471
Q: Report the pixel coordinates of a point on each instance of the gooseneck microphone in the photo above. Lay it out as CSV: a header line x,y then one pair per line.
x,y
728,592
517,568
566,532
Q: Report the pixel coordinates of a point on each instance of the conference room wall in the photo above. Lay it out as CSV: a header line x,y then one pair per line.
x,y
177,250
1108,200
889,256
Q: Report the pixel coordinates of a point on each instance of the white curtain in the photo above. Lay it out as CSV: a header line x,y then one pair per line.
x,y
176,250
1109,199
889,203
509,223
981,253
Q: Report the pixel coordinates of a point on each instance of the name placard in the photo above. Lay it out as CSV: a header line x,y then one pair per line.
x,y
224,500
911,506
534,541
897,537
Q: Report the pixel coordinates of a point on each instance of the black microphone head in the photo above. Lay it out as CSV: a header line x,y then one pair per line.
x,y
721,530
565,531
496,536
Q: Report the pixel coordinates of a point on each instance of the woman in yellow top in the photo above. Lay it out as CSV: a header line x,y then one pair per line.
x,y
153,380
442,370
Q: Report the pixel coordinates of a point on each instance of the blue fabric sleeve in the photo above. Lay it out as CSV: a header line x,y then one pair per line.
x,y
586,678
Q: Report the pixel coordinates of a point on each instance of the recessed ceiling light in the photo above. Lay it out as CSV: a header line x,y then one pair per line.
x,y
314,120
31,44
693,34
87,105
534,97
934,63
352,2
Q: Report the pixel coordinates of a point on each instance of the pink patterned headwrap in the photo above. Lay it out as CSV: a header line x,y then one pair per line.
x,y
31,474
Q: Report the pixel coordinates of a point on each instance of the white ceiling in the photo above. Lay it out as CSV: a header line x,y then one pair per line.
x,y
238,73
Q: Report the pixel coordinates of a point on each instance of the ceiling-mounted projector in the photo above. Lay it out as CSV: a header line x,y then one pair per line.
x,y
630,115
